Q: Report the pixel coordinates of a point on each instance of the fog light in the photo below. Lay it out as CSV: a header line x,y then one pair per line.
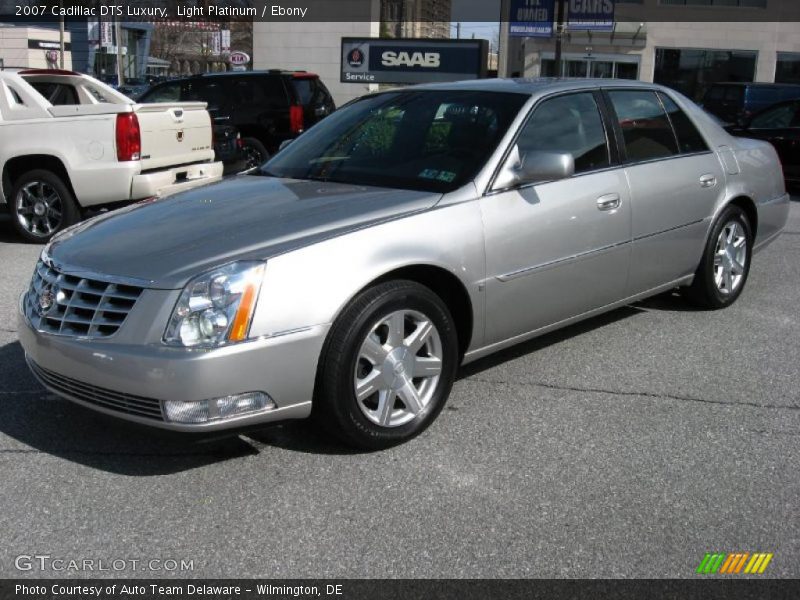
x,y
220,408
186,412
240,404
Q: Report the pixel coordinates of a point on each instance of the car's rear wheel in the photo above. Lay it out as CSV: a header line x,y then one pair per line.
x,y
255,153
387,367
723,271
41,205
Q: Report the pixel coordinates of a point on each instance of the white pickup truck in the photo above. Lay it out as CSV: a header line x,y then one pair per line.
x,y
69,142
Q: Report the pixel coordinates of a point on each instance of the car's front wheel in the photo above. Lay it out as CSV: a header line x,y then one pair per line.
x,y
387,367
723,271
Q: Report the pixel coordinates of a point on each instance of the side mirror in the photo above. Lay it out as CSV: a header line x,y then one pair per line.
x,y
284,143
534,166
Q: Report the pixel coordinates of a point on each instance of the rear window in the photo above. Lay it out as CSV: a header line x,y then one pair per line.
x,y
58,94
310,91
169,92
645,126
689,138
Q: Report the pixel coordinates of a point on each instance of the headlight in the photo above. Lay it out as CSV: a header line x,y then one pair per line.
x,y
216,308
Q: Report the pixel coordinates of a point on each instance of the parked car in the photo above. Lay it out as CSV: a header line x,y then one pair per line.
x,y
412,231
70,142
133,88
228,149
267,107
780,126
733,102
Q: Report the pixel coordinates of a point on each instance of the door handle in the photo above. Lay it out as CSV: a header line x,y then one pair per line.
x,y
608,202
708,181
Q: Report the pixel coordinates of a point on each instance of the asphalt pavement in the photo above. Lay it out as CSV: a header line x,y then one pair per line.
x,y
626,446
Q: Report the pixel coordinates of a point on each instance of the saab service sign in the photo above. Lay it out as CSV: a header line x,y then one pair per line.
x,y
380,60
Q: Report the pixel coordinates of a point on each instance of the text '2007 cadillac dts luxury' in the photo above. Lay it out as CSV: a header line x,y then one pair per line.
x,y
408,233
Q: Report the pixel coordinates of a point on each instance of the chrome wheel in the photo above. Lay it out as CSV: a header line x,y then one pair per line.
x,y
253,157
730,257
39,208
398,368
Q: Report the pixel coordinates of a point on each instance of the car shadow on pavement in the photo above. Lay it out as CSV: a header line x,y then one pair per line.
x,y
43,423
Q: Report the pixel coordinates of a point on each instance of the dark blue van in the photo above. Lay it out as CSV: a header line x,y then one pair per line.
x,y
736,102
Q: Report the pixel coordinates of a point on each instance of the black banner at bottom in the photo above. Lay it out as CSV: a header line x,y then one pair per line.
x,y
400,589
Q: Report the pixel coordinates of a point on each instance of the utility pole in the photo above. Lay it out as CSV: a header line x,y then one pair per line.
x,y
61,35
562,18
458,31
118,34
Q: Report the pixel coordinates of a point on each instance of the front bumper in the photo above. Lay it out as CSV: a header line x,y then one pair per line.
x,y
107,376
174,180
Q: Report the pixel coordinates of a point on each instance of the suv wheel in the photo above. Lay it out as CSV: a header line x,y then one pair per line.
x,y
41,206
255,153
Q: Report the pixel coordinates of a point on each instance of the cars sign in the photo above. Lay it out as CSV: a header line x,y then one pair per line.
x,y
239,58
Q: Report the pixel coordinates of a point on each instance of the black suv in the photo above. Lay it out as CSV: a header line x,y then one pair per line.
x,y
267,107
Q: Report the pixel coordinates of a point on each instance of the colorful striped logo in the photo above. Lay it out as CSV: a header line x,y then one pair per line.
x,y
734,563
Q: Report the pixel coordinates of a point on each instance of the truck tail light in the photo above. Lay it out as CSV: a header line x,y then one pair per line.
x,y
129,137
296,118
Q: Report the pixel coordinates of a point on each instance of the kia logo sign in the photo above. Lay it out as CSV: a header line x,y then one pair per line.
x,y
239,58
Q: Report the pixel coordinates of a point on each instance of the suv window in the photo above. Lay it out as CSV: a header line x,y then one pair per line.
x,y
569,124
259,91
689,138
778,117
645,127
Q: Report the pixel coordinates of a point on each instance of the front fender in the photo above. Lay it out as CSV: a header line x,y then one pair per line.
x,y
312,285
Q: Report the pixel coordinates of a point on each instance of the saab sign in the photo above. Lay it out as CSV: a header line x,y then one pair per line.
x,y
379,60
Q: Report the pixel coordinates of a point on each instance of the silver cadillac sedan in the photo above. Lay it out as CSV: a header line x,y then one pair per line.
x,y
412,231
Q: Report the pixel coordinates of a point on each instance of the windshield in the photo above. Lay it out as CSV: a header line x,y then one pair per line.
x,y
420,140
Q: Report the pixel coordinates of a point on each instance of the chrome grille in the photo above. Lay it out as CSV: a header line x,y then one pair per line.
x,y
139,406
65,304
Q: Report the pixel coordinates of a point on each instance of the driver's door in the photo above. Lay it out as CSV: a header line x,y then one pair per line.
x,y
557,249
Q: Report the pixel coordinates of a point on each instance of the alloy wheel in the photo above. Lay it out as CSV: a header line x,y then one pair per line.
x,y
730,257
39,208
398,368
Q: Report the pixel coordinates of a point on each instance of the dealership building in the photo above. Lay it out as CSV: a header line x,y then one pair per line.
x,y
685,44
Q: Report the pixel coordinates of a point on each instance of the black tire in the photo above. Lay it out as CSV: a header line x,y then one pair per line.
x,y
704,291
255,153
335,406
33,227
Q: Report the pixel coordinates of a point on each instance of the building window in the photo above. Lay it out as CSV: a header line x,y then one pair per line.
x,y
692,71
722,3
788,68
582,67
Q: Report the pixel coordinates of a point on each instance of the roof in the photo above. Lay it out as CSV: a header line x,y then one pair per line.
x,y
535,85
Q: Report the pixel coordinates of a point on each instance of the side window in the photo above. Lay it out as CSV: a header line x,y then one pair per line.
x,y
689,138
170,92
645,127
778,117
570,124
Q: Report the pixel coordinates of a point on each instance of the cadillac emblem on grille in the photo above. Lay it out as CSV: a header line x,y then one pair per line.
x,y
47,300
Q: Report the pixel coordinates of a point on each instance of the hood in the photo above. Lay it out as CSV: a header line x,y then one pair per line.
x,y
168,241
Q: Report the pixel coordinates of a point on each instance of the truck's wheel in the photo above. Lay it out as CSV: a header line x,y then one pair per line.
x,y
255,153
41,205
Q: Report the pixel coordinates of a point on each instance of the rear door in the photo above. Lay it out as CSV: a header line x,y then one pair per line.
x,y
675,181
174,134
557,249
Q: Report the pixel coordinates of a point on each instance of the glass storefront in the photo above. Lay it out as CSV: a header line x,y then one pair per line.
x,y
787,69
692,71
604,67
